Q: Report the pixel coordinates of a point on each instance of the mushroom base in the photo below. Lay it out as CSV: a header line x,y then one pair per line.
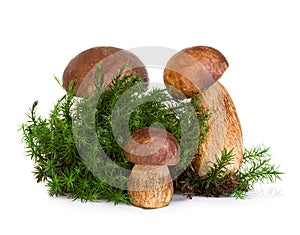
x,y
150,186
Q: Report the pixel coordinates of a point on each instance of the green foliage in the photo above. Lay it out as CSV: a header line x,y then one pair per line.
x,y
53,143
50,144
256,167
77,124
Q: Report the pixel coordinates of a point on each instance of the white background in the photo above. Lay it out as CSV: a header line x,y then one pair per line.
x,y
261,42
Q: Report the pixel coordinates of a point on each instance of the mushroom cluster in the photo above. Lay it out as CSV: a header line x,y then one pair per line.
x,y
190,72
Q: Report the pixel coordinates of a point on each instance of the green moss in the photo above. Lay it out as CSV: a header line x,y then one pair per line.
x,y
52,144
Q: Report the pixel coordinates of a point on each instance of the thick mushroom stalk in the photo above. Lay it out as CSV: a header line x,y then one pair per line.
x,y
151,150
224,130
83,68
195,71
150,186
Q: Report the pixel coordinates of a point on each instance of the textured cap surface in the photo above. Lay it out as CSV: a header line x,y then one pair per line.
x,y
193,70
152,146
83,67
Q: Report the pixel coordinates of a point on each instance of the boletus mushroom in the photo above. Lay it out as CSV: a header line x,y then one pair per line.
x,y
195,71
151,150
83,68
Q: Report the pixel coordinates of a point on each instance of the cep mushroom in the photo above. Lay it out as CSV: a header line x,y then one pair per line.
x,y
195,71
151,150
83,68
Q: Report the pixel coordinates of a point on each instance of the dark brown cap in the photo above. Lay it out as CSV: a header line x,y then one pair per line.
x,y
152,146
83,67
193,70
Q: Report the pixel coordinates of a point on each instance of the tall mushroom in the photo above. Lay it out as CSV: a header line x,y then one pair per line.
x,y
195,71
151,150
83,68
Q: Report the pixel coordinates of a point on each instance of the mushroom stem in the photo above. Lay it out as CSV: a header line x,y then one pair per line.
x,y
224,130
150,186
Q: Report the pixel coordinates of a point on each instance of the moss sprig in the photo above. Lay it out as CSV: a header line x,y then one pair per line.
x,y
256,168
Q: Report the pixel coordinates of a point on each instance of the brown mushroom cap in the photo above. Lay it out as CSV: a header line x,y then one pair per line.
x,y
193,70
83,67
152,146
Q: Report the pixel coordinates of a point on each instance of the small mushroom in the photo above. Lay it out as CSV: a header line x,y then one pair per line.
x,y
83,68
151,150
195,71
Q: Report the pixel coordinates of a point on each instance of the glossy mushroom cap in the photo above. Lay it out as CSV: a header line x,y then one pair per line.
x,y
152,146
193,70
83,68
